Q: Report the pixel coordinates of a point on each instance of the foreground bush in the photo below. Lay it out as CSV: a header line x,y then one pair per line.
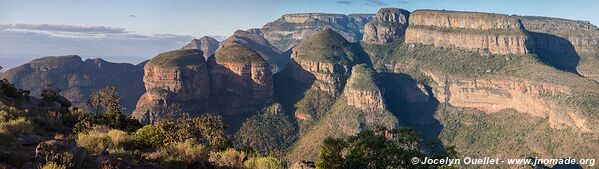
x,y
230,158
263,163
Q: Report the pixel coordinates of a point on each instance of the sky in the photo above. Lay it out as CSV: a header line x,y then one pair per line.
x,y
134,30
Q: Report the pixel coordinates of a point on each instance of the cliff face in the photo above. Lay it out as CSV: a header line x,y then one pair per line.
x,y
362,91
253,40
78,79
173,81
324,60
241,79
388,25
206,44
494,94
493,33
566,44
291,29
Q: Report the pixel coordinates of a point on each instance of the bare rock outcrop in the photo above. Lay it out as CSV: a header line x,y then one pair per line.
x,y
173,79
289,30
362,91
493,33
253,40
324,60
494,94
206,44
388,25
240,78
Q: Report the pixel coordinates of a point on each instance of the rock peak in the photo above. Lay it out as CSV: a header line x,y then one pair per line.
x,y
238,54
178,58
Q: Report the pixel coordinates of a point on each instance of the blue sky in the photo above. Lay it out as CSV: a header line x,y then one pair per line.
x,y
135,30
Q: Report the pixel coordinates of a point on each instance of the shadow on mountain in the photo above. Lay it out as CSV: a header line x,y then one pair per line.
x,y
414,106
289,90
556,51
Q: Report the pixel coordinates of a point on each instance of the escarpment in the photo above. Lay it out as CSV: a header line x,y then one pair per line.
x,y
388,25
324,60
78,79
494,94
253,40
493,33
241,79
206,44
175,81
289,30
362,91
566,44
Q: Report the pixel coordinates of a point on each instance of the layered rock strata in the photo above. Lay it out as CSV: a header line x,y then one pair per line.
x,y
493,33
241,79
494,94
388,25
289,30
362,91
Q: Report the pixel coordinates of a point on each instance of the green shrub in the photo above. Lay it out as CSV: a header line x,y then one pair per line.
x,y
17,126
149,136
264,163
189,152
268,131
94,141
229,158
52,165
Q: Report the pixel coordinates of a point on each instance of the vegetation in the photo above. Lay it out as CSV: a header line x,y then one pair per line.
x,y
378,148
178,58
363,78
269,131
330,47
238,54
107,100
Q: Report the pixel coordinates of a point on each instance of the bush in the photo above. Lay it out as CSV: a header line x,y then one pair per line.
x,y
17,126
120,139
94,141
264,163
193,155
52,165
229,158
149,136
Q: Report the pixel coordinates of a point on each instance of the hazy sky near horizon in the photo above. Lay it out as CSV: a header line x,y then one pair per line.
x,y
135,30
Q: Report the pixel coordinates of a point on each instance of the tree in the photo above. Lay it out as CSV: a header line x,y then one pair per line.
x,y
379,148
107,99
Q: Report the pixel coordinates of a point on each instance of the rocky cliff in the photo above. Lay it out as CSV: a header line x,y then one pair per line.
x,y
206,44
324,60
388,25
362,91
253,40
494,94
241,79
493,33
566,44
175,81
78,78
291,29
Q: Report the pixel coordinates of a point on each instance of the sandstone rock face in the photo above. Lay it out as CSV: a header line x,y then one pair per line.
x,y
78,78
206,44
253,40
362,91
570,45
388,25
581,34
173,78
493,33
291,29
324,60
493,94
241,78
